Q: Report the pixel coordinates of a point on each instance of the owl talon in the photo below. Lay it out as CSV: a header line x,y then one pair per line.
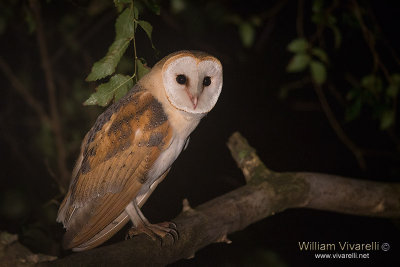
x,y
172,230
155,231
173,225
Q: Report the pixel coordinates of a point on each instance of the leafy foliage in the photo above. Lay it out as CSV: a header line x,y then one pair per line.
x,y
299,62
125,28
116,87
147,28
246,28
376,91
142,69
318,71
106,66
305,57
372,93
299,45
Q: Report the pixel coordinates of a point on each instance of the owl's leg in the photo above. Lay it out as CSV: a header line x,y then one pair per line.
x,y
142,225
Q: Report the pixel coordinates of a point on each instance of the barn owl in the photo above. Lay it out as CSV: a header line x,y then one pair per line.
x,y
131,148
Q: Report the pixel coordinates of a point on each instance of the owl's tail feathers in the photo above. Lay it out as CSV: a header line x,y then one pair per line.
x,y
64,212
99,238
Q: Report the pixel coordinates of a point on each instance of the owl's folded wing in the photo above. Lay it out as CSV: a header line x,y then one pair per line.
x,y
116,156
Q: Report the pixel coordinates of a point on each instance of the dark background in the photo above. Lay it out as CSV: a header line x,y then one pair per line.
x,y
289,134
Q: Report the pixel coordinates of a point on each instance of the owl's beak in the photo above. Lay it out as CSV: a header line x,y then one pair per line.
x,y
193,99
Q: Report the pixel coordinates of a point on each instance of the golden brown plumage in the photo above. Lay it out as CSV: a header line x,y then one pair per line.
x,y
115,149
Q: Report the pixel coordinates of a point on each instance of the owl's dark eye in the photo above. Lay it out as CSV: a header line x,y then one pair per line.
x,y
181,79
206,81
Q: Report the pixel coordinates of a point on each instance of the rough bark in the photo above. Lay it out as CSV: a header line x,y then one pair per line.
x,y
265,194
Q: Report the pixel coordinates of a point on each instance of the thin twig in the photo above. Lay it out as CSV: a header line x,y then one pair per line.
x,y
338,128
296,84
51,89
134,47
24,92
265,35
269,16
273,11
370,40
337,95
54,177
322,26
382,37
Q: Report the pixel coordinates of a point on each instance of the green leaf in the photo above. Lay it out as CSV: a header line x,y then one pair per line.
x,y
396,78
393,90
123,1
135,14
330,20
372,83
337,35
116,87
125,31
141,69
317,18
298,45
121,4
153,6
106,66
353,111
125,25
125,65
353,93
298,63
387,119
317,5
247,34
148,29
121,92
320,54
177,6
318,72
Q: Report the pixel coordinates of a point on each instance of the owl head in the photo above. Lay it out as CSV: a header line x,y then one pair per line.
x,y
192,80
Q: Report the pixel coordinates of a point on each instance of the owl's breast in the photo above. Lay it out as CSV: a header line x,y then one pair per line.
x,y
161,165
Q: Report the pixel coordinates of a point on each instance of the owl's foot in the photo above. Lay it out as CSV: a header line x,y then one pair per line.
x,y
155,231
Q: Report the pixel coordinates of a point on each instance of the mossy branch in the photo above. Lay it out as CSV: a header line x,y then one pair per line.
x,y
265,194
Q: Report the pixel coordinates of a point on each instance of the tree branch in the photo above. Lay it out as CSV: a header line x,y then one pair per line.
x,y
323,191
265,194
357,152
51,89
23,91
